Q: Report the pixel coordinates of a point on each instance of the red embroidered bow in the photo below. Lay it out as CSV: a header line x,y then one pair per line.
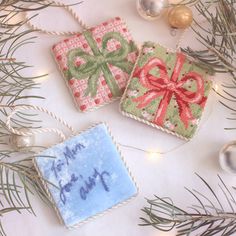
x,y
167,87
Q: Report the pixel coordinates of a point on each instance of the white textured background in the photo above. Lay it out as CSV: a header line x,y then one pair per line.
x,y
164,176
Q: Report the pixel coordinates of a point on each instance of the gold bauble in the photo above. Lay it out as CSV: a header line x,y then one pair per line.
x,y
180,17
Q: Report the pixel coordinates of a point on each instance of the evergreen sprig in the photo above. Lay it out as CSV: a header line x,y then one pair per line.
x,y
210,215
18,179
217,34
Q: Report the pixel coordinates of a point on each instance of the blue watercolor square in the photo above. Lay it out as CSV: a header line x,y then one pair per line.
x,y
89,174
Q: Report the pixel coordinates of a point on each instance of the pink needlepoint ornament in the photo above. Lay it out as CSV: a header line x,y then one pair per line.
x,y
167,91
97,63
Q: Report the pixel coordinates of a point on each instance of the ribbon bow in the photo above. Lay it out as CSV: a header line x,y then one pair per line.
x,y
168,87
99,62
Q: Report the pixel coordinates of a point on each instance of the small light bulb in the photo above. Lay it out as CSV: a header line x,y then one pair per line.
x,y
216,87
154,154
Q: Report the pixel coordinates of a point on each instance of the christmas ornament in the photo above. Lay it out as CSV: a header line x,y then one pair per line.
x,y
21,142
151,9
86,177
180,17
166,91
227,157
96,64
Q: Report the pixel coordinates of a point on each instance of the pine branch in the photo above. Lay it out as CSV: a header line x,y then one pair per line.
x,y
209,216
218,37
18,180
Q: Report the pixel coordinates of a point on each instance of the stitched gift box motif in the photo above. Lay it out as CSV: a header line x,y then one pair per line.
x,y
166,90
97,63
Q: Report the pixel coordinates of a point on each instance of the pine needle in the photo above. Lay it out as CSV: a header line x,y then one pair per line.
x,y
200,219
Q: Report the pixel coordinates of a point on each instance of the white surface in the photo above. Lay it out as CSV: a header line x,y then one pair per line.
x,y
164,176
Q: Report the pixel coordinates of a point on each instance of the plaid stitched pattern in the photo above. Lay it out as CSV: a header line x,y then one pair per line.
x,y
78,86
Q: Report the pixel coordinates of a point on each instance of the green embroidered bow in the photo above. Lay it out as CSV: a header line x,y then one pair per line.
x,y
98,62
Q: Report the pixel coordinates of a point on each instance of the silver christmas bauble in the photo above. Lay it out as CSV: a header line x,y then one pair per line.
x,y
21,143
227,157
151,9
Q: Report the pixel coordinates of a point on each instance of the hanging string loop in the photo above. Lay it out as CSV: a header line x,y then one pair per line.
x,y
69,9
28,132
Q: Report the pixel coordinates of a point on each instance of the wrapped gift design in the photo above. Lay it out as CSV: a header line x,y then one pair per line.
x,y
85,176
96,64
167,91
